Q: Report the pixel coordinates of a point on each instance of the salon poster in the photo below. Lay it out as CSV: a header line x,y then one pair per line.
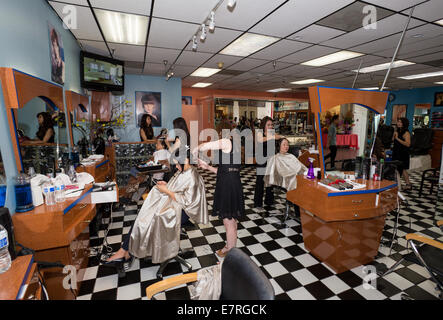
x,y
57,56
150,103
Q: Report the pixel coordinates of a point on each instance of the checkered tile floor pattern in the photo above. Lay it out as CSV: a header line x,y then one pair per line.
x,y
277,250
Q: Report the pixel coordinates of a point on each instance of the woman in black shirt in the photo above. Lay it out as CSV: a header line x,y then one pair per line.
x,y
45,131
402,143
146,131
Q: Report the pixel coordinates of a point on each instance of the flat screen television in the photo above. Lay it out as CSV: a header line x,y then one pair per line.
x,y
101,73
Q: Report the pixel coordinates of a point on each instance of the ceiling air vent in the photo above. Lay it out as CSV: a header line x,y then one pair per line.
x,y
134,64
227,72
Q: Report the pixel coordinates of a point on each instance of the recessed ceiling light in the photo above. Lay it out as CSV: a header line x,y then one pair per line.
x,y
422,75
441,82
384,66
201,85
248,44
307,81
332,58
121,27
204,72
440,22
278,90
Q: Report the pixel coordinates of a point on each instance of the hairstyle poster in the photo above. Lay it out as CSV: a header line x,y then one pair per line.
x,y
150,103
57,56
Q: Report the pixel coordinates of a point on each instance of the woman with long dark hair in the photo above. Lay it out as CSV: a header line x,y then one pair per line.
x,y
146,131
402,143
266,134
45,131
182,136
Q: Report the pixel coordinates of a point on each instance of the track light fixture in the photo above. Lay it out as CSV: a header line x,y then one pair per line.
x,y
194,43
231,4
203,34
212,21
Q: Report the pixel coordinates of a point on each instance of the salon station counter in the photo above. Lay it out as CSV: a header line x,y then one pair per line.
x,y
343,229
58,233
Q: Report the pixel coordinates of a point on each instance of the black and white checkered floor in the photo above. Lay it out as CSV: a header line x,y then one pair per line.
x,y
278,251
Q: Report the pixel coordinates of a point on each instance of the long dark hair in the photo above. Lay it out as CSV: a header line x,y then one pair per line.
x,y
180,123
149,132
405,126
181,157
45,126
263,123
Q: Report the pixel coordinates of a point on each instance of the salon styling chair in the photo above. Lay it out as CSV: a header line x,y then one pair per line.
x,y
427,253
430,175
421,141
241,278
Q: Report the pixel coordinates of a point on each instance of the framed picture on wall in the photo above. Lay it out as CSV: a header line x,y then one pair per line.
x,y
150,103
438,101
57,56
398,111
187,100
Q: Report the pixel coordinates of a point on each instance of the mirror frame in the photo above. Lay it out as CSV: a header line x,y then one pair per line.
x,y
18,89
74,99
322,99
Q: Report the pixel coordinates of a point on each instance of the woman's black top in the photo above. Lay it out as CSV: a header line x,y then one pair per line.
x,y
42,132
149,132
400,152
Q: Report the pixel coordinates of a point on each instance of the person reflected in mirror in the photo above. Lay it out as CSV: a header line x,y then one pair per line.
x,y
400,152
266,134
146,130
332,141
45,131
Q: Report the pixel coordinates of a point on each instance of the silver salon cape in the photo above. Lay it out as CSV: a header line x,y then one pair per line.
x,y
156,231
282,171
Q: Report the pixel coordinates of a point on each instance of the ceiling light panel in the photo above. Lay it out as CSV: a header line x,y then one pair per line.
x,y
440,82
195,12
384,66
279,90
422,75
332,58
248,44
201,85
122,27
307,81
204,72
126,6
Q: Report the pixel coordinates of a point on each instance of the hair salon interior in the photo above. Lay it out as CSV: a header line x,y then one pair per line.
x,y
111,188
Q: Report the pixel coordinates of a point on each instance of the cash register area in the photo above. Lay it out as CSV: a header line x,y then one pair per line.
x,y
85,114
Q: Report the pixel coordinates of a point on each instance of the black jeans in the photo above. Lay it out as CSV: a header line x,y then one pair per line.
x,y
258,194
125,244
332,155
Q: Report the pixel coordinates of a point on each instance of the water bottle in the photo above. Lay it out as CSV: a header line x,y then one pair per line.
x,y
59,190
72,174
2,191
49,192
5,257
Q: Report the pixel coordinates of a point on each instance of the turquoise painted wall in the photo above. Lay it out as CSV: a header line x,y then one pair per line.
x,y
411,98
24,37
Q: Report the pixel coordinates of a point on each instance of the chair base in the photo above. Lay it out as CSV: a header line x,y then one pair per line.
x,y
164,264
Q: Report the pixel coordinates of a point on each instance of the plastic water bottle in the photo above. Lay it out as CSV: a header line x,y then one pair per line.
x,y
49,192
72,174
59,190
5,257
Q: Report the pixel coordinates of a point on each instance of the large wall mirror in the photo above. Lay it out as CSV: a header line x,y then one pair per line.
x,y
79,110
348,132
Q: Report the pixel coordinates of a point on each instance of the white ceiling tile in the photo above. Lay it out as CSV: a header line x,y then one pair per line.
x,y
182,71
157,55
190,58
316,34
245,14
247,64
280,49
385,27
226,59
97,47
295,15
269,67
397,5
127,52
420,52
170,34
308,54
190,10
430,11
428,57
86,29
141,7
215,41
154,69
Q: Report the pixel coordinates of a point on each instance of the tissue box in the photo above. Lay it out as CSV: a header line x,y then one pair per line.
x,y
105,196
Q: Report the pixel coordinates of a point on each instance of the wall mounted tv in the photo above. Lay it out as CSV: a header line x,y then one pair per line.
x,y
101,73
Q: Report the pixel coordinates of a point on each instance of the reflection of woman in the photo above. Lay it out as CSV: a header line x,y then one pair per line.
x,y
146,131
402,143
57,63
45,131
151,106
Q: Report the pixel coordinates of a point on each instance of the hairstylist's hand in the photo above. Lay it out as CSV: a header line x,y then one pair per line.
x,y
202,164
161,183
195,152
395,135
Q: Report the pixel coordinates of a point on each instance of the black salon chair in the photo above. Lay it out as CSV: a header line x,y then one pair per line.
x,y
386,134
241,278
430,175
421,141
429,255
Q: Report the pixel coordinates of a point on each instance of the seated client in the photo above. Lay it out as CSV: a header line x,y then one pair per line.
x,y
156,230
282,168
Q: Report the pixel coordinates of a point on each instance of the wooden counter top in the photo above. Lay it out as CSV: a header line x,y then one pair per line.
x,y
16,277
